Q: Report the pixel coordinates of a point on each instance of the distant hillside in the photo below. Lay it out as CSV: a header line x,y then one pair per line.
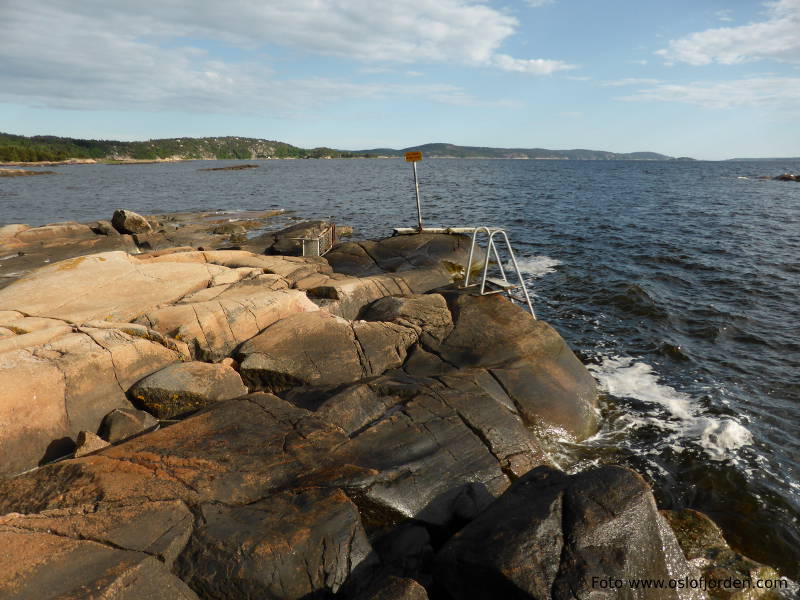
x,y
21,148
761,159
47,147
453,151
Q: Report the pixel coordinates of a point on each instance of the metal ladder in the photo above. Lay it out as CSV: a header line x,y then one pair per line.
x,y
495,285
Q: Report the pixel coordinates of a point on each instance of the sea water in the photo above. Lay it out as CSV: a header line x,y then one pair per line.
x,y
677,283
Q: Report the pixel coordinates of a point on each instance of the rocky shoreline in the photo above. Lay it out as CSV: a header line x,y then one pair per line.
x,y
189,409
23,173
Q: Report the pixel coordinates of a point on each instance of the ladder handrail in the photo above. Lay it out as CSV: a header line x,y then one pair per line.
x,y
491,248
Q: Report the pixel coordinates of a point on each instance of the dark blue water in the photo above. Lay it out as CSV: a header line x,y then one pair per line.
x,y
678,282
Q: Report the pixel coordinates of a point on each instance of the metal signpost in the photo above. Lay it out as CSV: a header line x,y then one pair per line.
x,y
488,285
414,158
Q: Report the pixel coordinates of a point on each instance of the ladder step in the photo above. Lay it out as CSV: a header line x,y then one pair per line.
x,y
499,283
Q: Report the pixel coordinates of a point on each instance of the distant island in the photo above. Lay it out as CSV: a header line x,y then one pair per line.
x,y
43,148
762,159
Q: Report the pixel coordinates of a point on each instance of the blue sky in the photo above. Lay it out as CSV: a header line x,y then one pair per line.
x,y
703,78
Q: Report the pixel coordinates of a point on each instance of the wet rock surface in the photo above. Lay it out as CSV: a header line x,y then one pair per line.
x,y
705,547
408,455
552,535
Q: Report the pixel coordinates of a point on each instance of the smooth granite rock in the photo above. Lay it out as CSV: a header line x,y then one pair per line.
x,y
317,348
182,387
100,551
64,382
88,442
122,423
553,535
290,545
127,221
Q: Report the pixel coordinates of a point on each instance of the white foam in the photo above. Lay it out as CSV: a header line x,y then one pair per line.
x,y
720,438
536,266
620,376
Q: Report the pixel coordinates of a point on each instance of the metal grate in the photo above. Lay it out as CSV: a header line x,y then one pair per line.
x,y
320,244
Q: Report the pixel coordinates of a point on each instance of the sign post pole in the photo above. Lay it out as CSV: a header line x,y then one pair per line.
x,y
419,206
413,158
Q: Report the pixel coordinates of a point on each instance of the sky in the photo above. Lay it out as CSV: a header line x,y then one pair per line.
x,y
709,79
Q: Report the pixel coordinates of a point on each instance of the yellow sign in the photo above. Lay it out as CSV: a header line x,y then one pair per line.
x,y
413,156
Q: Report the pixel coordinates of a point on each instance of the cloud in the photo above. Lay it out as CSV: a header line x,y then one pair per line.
x,y
539,3
208,56
754,92
629,81
538,66
725,14
457,97
776,38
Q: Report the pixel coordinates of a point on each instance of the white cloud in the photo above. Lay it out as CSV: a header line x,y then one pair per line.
x,y
538,66
629,81
157,56
460,98
776,38
754,92
539,3
725,14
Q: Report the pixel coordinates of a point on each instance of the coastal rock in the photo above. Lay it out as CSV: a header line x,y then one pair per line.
x,y
122,423
182,387
787,177
235,452
231,229
396,588
40,565
63,383
556,535
23,173
290,268
107,286
394,431
443,450
705,548
549,386
103,228
21,325
55,233
291,545
127,221
348,296
119,551
214,328
267,478
123,287
88,442
317,348
31,255
158,528
425,313
402,253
